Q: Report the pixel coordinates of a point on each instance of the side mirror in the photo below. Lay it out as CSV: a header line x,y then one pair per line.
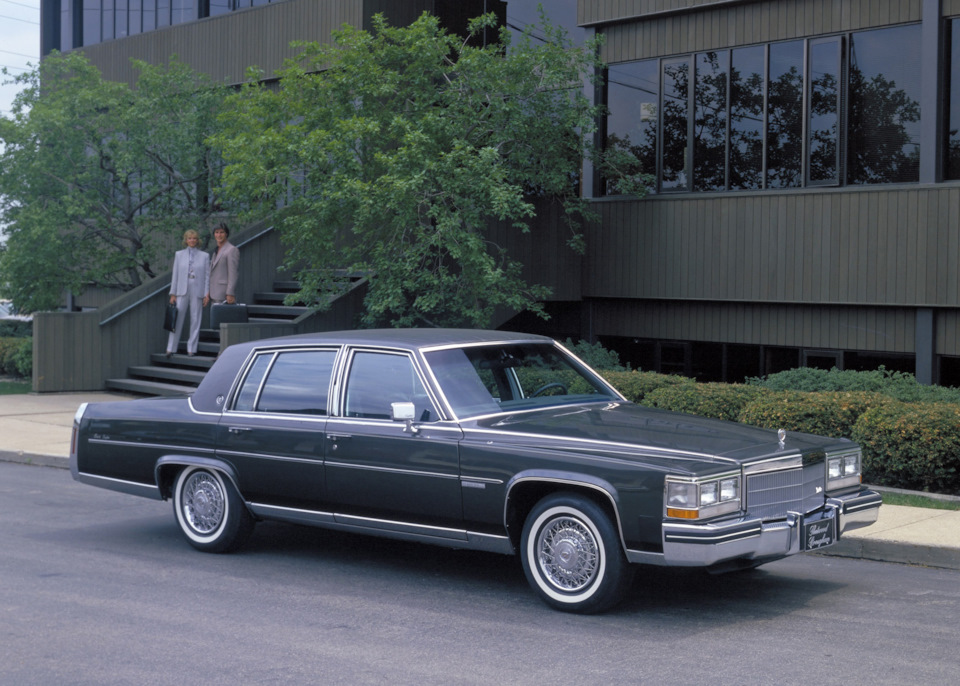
x,y
405,412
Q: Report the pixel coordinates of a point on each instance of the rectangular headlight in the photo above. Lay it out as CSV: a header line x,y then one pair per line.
x,y
843,470
692,499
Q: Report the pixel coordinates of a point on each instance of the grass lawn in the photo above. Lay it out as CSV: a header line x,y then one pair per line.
x,y
8,387
910,500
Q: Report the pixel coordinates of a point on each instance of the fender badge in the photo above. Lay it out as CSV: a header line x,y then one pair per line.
x,y
782,436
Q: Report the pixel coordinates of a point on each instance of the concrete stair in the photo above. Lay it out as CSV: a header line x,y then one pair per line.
x,y
181,373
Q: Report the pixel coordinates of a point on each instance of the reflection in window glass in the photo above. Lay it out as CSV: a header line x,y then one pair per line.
x,y
91,22
298,383
823,143
218,7
376,380
884,106
746,118
488,379
710,121
163,13
247,397
120,18
674,167
951,166
632,100
785,115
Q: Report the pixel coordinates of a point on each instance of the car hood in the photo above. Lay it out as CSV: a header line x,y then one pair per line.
x,y
656,435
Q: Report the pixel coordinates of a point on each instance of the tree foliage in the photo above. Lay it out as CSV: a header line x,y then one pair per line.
x,y
96,176
389,152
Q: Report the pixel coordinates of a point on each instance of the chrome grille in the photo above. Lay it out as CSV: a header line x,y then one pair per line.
x,y
772,494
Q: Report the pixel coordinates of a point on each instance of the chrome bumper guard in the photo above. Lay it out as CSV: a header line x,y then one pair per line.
x,y
703,545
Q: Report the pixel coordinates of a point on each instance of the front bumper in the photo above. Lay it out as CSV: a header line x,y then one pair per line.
x,y
746,540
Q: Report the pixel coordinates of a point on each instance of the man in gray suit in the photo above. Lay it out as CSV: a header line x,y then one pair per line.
x,y
224,268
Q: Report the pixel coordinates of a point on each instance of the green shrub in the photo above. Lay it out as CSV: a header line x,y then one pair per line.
x,y
16,356
827,414
914,446
719,400
23,358
636,385
895,384
595,355
14,328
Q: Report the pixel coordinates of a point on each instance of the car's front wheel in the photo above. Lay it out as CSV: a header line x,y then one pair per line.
x,y
572,556
209,511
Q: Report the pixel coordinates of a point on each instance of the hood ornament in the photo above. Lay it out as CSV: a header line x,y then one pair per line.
x,y
782,436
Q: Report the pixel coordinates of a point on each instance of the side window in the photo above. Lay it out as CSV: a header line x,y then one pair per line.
x,y
378,379
297,382
247,397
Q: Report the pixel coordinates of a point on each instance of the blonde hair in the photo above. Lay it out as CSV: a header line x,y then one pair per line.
x,y
190,233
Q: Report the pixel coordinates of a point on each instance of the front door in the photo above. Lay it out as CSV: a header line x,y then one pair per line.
x,y
380,473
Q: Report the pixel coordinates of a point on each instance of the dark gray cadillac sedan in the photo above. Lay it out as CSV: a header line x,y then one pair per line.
x,y
489,440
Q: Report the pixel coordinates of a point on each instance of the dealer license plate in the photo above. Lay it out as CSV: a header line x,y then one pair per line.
x,y
819,533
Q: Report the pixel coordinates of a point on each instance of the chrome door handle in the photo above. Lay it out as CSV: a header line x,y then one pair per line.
x,y
238,429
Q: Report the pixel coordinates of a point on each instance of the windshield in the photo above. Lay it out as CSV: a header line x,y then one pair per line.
x,y
490,379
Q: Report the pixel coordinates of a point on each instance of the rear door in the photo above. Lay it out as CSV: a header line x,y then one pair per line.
x,y
274,431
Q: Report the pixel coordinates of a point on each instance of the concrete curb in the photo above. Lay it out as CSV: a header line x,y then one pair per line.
x,y
894,551
34,459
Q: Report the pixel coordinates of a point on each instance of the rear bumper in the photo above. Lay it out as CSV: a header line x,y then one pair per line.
x,y
746,540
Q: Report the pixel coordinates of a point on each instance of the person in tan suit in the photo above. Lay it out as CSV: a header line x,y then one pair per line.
x,y
224,268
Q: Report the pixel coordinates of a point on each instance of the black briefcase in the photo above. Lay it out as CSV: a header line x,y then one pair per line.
x,y
170,318
227,314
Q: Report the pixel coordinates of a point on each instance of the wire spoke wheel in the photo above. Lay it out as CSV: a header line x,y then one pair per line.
x,y
204,502
568,554
572,556
209,510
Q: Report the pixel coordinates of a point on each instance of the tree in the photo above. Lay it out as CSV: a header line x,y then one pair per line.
x,y
389,152
96,177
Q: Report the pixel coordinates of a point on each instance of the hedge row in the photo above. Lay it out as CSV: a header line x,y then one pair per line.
x,y
913,445
16,356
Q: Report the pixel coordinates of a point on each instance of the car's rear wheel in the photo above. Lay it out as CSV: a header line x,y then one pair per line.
x,y
209,511
572,556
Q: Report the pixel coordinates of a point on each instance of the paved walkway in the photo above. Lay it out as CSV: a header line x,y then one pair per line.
x,y
36,428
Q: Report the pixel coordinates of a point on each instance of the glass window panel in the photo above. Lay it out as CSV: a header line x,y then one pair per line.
x,y
884,106
91,22
746,117
298,383
149,15
120,18
218,7
710,121
135,18
183,10
822,143
163,13
66,27
674,135
785,115
247,397
632,100
951,166
106,21
377,380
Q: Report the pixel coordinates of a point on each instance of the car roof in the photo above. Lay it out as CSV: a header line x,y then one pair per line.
x,y
407,338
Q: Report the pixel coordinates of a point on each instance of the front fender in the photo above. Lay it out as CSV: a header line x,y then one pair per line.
x,y
527,487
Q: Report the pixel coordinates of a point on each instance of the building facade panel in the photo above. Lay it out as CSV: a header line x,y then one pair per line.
x,y
733,24
225,46
864,247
